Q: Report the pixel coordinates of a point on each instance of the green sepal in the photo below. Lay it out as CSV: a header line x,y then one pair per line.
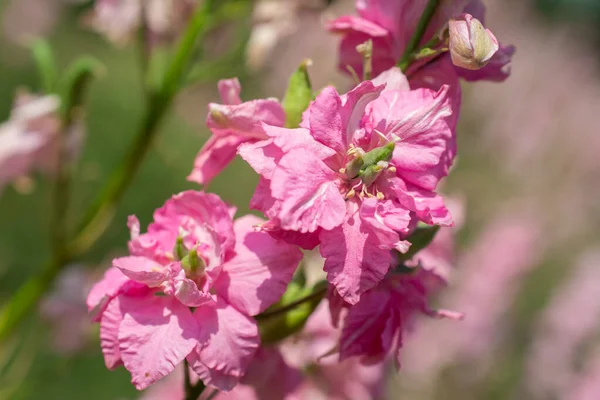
x,y
383,153
298,96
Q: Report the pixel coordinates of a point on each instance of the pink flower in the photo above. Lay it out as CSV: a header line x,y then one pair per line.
x,y
233,123
375,325
157,308
357,175
390,25
28,138
65,311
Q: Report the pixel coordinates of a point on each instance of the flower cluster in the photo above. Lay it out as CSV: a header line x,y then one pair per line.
x,y
357,177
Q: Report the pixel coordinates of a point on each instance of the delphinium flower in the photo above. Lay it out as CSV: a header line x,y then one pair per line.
x,y
357,175
390,24
232,123
28,139
188,291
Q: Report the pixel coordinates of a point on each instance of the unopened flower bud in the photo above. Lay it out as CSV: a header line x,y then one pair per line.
x,y
471,45
193,264
353,167
179,250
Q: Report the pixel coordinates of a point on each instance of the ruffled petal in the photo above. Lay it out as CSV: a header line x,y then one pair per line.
x,y
214,156
354,260
258,274
156,334
308,193
223,359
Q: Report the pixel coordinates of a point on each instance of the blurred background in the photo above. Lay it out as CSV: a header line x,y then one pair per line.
x,y
527,268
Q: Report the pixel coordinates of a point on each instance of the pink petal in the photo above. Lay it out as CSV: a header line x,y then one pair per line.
x,y
224,358
356,31
308,193
301,138
259,273
393,79
325,121
244,120
497,70
142,270
387,220
214,156
109,333
230,90
353,109
156,334
369,326
354,261
428,206
106,289
187,292
262,156
422,132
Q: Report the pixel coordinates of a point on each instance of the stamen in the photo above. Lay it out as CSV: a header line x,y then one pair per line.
x,y
380,195
350,193
342,170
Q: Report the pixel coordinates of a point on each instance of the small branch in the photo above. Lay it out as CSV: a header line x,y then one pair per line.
x,y
417,36
292,305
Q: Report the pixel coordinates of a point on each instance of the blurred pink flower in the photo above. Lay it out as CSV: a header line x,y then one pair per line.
x,y
65,310
488,277
361,168
230,274
233,123
571,318
28,140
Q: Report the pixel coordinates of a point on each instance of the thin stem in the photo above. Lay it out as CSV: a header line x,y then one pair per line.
x,y
187,382
292,305
26,298
417,36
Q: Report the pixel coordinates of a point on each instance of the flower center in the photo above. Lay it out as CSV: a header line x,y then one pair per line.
x,y
364,168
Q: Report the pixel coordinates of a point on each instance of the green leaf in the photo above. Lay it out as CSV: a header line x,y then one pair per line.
x,y
75,83
296,305
420,239
298,95
43,56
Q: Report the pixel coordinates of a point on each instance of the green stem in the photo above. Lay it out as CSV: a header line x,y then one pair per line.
x,y
100,214
27,297
292,305
417,36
